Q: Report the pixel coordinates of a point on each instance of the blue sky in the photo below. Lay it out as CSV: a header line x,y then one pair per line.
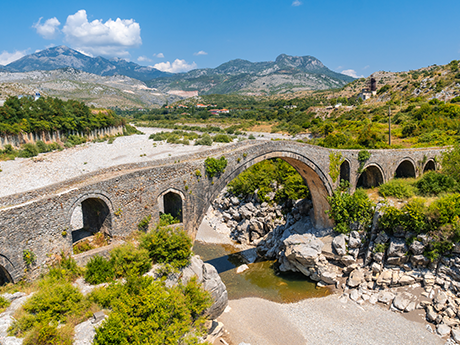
x,y
355,36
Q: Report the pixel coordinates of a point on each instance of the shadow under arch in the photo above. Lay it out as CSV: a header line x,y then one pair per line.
x,y
345,171
430,165
406,168
6,269
316,180
372,176
172,201
89,214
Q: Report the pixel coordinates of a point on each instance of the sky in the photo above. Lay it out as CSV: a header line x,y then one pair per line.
x,y
355,37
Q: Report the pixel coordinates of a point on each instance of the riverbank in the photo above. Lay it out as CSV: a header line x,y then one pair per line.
x,y
325,320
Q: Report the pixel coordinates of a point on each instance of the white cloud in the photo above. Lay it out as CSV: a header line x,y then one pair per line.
x,y
49,29
366,67
351,73
143,59
296,3
201,52
111,38
175,67
6,58
159,55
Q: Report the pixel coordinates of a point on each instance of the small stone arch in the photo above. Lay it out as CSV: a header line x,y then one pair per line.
x,y
172,201
406,168
372,176
6,269
90,214
430,165
345,171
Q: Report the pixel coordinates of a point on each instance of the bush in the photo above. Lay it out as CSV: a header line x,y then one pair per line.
x,y
128,260
450,165
3,304
82,247
215,166
144,223
42,147
168,245
222,138
398,188
76,140
146,312
168,219
251,137
29,150
411,218
434,183
347,209
205,140
98,270
445,210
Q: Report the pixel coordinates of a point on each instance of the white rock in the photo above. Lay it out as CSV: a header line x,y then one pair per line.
x,y
242,268
443,330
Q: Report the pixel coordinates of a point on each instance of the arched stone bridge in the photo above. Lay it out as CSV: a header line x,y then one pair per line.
x,y
115,200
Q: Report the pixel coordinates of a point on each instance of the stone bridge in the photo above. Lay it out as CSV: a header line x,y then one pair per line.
x,y
49,220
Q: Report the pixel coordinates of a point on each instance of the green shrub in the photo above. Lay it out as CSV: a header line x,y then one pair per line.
x,y
204,140
65,269
98,270
168,245
168,219
28,150
391,218
45,334
146,312
215,166
129,130
450,165
82,247
222,138
445,210
76,139
128,260
42,147
144,223
414,218
3,304
28,256
8,149
434,183
398,188
251,137
158,136
347,209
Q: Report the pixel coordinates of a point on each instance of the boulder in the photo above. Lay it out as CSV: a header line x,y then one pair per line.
x,y
355,295
402,300
354,240
385,297
429,279
356,278
443,330
376,267
456,335
440,297
397,248
385,278
234,200
242,268
378,257
431,315
257,226
419,260
339,244
214,285
347,260
417,247
406,280
328,277
397,260
382,238
303,249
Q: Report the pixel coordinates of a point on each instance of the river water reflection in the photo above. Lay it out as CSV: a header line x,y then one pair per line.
x,y
261,280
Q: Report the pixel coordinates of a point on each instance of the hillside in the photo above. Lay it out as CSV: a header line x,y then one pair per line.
x,y
69,83
62,57
286,74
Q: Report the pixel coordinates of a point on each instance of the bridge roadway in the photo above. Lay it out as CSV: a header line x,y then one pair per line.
x,y
49,220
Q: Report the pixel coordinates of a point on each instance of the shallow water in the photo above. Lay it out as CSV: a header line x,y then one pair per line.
x,y
262,279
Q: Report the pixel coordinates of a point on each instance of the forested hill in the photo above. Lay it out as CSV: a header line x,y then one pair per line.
x,y
51,114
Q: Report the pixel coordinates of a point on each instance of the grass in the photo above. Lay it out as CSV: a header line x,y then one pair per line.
x,y
398,188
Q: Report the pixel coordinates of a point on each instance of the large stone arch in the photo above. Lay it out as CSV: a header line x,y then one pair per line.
x,y
430,165
371,176
406,168
96,211
172,201
316,180
6,270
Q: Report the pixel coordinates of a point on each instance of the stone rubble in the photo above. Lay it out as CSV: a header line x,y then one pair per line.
x,y
368,267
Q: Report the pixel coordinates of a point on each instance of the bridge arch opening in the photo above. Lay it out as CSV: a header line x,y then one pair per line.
x,y
89,217
345,171
171,202
405,169
5,277
429,166
371,177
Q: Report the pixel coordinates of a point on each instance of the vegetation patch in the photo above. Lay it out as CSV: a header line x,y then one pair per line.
x,y
215,166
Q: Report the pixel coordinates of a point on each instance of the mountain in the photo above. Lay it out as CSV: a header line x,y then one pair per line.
x,y
62,57
285,74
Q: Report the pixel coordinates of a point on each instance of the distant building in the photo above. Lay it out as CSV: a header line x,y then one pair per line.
x,y
37,95
219,111
290,106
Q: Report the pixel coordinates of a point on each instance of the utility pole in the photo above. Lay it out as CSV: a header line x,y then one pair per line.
x,y
389,125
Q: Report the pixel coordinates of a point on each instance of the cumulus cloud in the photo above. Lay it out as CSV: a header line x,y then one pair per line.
x,y
201,52
296,3
49,29
111,38
159,55
351,73
175,67
143,59
6,58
